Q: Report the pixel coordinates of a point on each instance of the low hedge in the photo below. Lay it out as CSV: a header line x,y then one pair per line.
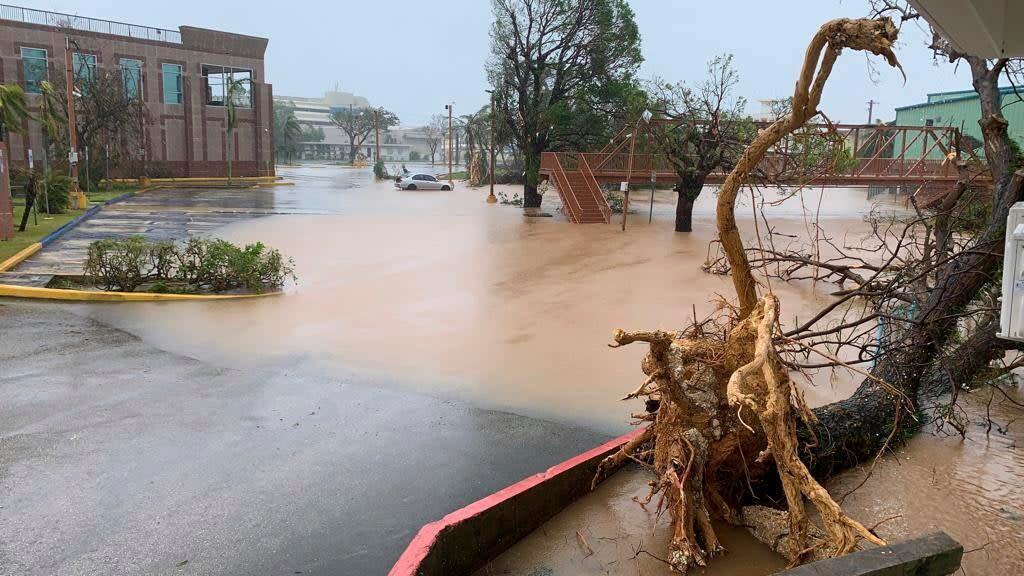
x,y
196,265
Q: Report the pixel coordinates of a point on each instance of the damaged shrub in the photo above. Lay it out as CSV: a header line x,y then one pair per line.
x,y
198,264
119,265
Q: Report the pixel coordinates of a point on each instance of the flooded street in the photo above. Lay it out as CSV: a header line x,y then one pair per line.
x,y
515,314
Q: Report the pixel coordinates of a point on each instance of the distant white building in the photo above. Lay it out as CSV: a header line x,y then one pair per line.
x,y
396,145
766,113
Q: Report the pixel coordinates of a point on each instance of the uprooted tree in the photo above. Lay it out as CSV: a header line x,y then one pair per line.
x,y
722,410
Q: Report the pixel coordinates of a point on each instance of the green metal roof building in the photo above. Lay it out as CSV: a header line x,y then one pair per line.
x,y
960,109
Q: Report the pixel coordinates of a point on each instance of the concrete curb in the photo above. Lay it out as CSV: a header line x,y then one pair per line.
x,y
935,554
20,256
193,180
466,539
30,292
46,240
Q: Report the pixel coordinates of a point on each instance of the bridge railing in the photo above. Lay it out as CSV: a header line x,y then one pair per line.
x,y
59,20
772,167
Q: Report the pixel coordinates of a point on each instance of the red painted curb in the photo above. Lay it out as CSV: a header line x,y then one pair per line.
x,y
411,561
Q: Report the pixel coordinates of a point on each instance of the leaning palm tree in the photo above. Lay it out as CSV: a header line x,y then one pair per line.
x,y
234,90
51,115
13,109
52,118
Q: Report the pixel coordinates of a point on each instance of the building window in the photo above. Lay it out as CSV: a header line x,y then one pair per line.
x,y
929,122
172,83
218,80
33,61
131,75
84,67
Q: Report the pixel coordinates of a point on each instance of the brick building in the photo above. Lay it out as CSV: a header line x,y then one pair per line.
x,y
180,75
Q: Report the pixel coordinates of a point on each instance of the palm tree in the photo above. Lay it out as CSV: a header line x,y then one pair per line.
x,y
51,115
292,134
234,90
13,109
477,129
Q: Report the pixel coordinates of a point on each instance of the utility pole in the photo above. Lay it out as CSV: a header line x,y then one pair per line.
x,y
491,198
78,199
449,108
871,110
376,122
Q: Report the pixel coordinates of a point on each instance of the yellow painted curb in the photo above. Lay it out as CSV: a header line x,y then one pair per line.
x,y
264,184
20,256
11,291
201,179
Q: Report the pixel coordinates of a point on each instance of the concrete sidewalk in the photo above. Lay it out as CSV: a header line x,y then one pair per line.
x,y
160,214
119,458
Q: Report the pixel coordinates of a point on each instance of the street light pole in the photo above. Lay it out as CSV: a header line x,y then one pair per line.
x,y
450,181
449,108
491,198
376,122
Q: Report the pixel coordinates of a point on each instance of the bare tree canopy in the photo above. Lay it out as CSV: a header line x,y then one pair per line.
x,y
435,132
707,130
359,123
109,120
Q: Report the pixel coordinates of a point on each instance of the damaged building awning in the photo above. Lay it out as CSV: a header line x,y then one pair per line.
x,y
986,28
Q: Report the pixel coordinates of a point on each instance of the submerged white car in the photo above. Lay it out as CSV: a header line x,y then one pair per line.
x,y
420,182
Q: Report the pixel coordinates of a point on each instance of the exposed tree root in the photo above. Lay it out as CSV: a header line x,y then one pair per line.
x,y
718,392
721,395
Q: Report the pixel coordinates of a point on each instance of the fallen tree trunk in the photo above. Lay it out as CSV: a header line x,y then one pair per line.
x,y
720,392
723,411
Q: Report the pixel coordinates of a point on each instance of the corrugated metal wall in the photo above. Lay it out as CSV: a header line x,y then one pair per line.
x,y
963,114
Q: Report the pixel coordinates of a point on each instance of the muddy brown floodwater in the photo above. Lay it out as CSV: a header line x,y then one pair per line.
x,y
618,537
477,302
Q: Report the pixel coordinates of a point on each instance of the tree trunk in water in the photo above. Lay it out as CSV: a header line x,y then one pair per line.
x,y
531,198
684,213
688,188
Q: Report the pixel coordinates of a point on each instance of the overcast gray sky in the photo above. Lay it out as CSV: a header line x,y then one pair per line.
x,y
413,56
